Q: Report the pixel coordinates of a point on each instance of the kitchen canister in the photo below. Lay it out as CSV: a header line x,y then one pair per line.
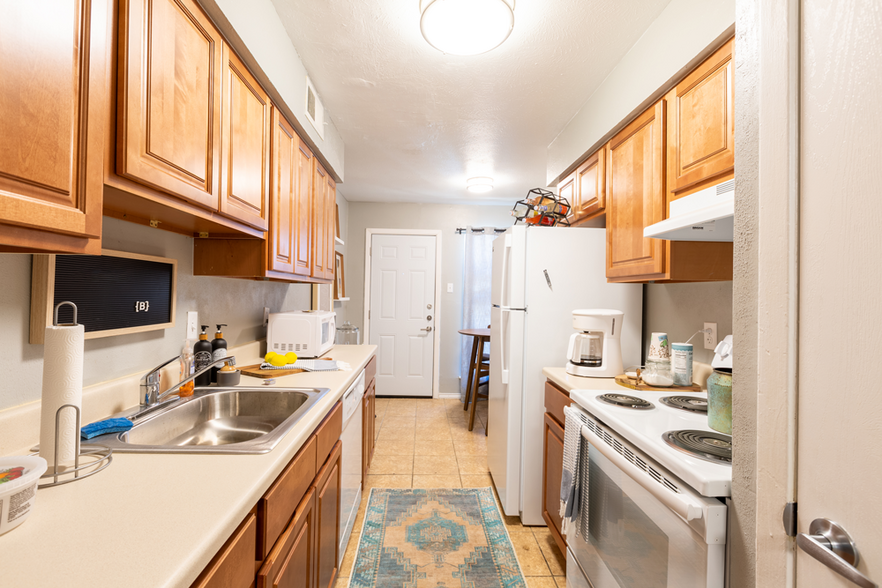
x,y
681,363
719,400
62,385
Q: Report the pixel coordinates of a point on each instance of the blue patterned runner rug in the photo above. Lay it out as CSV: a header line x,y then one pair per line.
x,y
441,538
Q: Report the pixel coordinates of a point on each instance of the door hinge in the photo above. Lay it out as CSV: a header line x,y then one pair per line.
x,y
789,519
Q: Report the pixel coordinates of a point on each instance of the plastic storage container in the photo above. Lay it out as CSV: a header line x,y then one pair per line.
x,y
18,488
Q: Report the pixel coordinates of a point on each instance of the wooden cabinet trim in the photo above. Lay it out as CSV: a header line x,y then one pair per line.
x,y
280,501
551,480
327,524
590,196
370,371
556,398
233,566
279,560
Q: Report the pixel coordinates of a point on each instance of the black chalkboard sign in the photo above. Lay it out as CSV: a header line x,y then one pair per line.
x,y
115,293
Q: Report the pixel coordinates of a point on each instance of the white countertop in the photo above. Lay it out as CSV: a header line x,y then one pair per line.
x,y
568,382
154,520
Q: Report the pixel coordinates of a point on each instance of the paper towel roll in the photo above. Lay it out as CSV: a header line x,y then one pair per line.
x,y
62,384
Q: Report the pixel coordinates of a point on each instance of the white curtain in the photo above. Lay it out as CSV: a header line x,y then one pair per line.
x,y
476,277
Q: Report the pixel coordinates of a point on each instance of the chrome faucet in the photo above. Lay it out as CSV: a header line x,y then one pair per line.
x,y
150,382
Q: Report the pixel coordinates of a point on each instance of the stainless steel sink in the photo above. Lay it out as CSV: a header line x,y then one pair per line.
x,y
217,420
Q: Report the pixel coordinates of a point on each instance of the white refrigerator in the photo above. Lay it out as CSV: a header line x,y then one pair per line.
x,y
540,275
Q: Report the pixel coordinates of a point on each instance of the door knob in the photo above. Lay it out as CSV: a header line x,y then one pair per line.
x,y
427,329
429,306
831,545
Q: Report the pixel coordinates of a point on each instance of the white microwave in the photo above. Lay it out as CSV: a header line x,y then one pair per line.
x,y
308,333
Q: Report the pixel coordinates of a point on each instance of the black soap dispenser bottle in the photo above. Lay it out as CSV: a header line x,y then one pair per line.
x,y
202,357
218,350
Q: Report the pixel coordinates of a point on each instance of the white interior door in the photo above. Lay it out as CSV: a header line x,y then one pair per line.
x,y
840,437
402,313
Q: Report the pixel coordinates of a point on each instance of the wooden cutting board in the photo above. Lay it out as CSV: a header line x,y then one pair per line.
x,y
623,380
255,372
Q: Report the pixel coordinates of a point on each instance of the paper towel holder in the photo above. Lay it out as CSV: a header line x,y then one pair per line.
x,y
55,315
100,455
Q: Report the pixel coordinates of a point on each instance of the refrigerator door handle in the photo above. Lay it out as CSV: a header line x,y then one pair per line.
x,y
506,260
503,319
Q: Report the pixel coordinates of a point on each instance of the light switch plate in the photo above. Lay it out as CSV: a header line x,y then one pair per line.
x,y
192,325
449,287
710,339
265,316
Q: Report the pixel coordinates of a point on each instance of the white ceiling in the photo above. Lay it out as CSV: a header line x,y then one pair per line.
x,y
417,123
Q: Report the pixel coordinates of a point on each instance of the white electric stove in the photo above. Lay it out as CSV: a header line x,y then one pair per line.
x,y
658,477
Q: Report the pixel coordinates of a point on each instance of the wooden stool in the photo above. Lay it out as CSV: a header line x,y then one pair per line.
x,y
478,368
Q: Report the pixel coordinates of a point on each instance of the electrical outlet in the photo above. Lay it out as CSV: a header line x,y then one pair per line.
x,y
710,338
192,325
449,288
265,316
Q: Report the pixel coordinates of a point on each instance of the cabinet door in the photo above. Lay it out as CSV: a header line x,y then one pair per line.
x,y
636,197
245,146
552,473
233,566
283,195
567,189
369,423
319,222
590,186
330,227
303,213
327,523
53,102
169,133
701,126
291,563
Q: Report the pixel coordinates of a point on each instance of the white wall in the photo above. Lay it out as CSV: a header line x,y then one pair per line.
x,y
257,33
239,303
680,38
446,218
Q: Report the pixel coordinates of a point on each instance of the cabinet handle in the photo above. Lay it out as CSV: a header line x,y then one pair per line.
x,y
831,545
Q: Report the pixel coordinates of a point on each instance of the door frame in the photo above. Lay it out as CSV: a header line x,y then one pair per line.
x,y
436,305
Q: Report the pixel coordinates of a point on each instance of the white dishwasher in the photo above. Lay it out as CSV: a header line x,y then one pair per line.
x,y
350,461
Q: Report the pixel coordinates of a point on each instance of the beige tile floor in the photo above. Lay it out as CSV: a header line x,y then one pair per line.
x,y
446,455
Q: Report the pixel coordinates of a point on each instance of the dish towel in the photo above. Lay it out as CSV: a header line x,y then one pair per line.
x,y
574,476
310,365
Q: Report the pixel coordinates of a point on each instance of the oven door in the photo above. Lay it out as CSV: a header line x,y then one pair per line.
x,y
636,538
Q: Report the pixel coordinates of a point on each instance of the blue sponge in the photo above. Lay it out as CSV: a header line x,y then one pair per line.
x,y
104,427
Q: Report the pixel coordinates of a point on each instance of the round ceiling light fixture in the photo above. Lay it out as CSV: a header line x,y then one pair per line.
x,y
466,27
479,185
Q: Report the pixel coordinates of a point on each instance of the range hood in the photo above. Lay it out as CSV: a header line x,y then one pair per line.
x,y
707,215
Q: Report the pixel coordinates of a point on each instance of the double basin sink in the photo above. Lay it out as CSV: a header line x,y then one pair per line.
x,y
237,420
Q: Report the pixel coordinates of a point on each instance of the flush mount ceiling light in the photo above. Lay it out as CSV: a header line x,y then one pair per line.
x,y
466,27
479,185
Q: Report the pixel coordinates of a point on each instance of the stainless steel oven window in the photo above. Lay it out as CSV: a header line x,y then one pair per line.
x,y
635,541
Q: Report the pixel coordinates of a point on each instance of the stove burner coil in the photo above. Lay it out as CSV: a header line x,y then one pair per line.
x,y
690,403
713,447
626,401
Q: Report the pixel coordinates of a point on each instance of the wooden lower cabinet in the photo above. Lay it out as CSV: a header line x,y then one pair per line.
x,y
291,563
553,440
327,525
369,426
233,566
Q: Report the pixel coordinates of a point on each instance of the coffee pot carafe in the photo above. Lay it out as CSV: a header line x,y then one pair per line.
x,y
596,350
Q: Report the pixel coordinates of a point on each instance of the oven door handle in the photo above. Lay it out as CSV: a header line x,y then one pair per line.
x,y
679,503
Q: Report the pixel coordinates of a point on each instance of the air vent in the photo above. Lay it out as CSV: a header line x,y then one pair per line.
x,y
628,454
725,187
315,112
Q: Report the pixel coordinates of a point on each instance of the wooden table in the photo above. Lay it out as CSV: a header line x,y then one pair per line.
x,y
479,337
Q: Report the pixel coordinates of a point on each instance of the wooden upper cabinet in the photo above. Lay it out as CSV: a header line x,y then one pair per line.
x,y
53,102
169,107
303,212
283,194
567,189
701,125
245,146
636,197
320,268
330,227
590,186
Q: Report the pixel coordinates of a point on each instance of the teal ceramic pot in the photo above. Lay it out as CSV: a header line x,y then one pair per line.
x,y
719,401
